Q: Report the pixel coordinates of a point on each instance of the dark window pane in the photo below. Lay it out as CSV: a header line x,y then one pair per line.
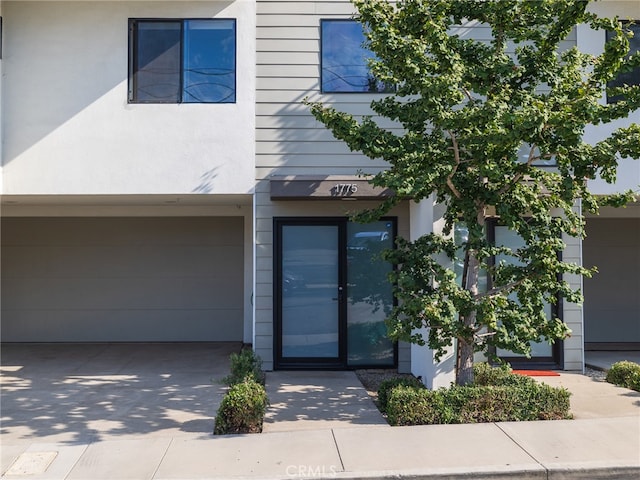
x,y
209,61
345,60
369,293
157,62
632,77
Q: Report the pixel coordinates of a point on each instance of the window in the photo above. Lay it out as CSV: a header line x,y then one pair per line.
x,y
632,77
182,61
345,60
542,353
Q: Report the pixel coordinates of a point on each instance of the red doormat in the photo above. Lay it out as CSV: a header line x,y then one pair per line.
x,y
537,373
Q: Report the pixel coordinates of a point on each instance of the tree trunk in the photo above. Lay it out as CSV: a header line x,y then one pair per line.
x,y
464,368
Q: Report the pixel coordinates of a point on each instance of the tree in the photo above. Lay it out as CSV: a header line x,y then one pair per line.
x,y
466,111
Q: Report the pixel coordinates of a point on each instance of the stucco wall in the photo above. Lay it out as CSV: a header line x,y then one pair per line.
x,y
68,128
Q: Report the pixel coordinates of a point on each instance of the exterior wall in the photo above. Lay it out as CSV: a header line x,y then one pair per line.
x,y
68,128
612,243
73,146
590,41
572,314
290,142
426,217
1,102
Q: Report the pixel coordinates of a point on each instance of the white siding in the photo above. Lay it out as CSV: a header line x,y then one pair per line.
x,y
290,142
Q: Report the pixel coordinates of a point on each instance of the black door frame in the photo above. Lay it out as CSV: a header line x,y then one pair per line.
x,y
340,362
556,360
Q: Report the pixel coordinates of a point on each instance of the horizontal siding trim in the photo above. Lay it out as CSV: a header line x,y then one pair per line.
x,y
284,70
288,32
301,109
288,45
304,8
320,134
266,172
299,121
317,161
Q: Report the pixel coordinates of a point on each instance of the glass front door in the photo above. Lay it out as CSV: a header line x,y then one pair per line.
x,y
310,292
332,294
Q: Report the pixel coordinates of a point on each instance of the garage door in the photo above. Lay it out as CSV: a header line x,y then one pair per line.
x,y
612,303
122,279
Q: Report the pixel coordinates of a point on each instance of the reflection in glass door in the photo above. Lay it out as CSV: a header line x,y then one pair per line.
x,y
369,294
332,293
310,291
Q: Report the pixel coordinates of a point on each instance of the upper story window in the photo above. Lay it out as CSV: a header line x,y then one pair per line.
x,y
182,61
632,77
345,60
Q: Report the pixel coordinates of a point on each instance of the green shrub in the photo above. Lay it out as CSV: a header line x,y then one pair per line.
x,y
242,409
634,382
478,404
245,364
387,386
411,405
551,403
498,376
625,374
512,399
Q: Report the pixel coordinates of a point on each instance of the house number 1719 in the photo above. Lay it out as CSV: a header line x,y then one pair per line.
x,y
345,188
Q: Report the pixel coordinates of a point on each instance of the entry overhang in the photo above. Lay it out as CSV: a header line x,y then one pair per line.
x,y
328,187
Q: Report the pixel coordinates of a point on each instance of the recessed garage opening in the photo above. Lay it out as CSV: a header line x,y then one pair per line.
x,y
122,279
612,303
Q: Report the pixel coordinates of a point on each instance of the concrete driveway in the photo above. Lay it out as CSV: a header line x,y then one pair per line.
x,y
80,393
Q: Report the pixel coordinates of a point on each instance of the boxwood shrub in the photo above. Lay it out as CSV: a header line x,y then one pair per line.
x,y
242,409
246,364
497,396
386,387
625,374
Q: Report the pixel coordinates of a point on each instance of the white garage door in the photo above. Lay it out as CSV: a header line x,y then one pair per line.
x,y
122,279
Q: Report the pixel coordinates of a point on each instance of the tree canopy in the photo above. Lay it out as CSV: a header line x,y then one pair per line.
x,y
476,118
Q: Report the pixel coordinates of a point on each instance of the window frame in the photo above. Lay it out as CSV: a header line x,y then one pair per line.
x,y
611,99
133,55
324,21
556,359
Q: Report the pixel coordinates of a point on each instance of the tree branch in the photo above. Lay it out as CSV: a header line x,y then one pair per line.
x,y
456,156
532,158
497,290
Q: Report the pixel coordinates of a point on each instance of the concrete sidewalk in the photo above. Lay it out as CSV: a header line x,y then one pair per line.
x,y
586,449
603,442
308,400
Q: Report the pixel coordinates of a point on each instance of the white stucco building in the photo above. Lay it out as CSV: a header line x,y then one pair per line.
x,y
155,191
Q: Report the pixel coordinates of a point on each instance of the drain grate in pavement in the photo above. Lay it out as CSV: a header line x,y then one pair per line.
x,y
31,463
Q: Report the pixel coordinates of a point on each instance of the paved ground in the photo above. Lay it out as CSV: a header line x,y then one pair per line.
x,y
592,398
146,412
85,393
318,400
603,360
